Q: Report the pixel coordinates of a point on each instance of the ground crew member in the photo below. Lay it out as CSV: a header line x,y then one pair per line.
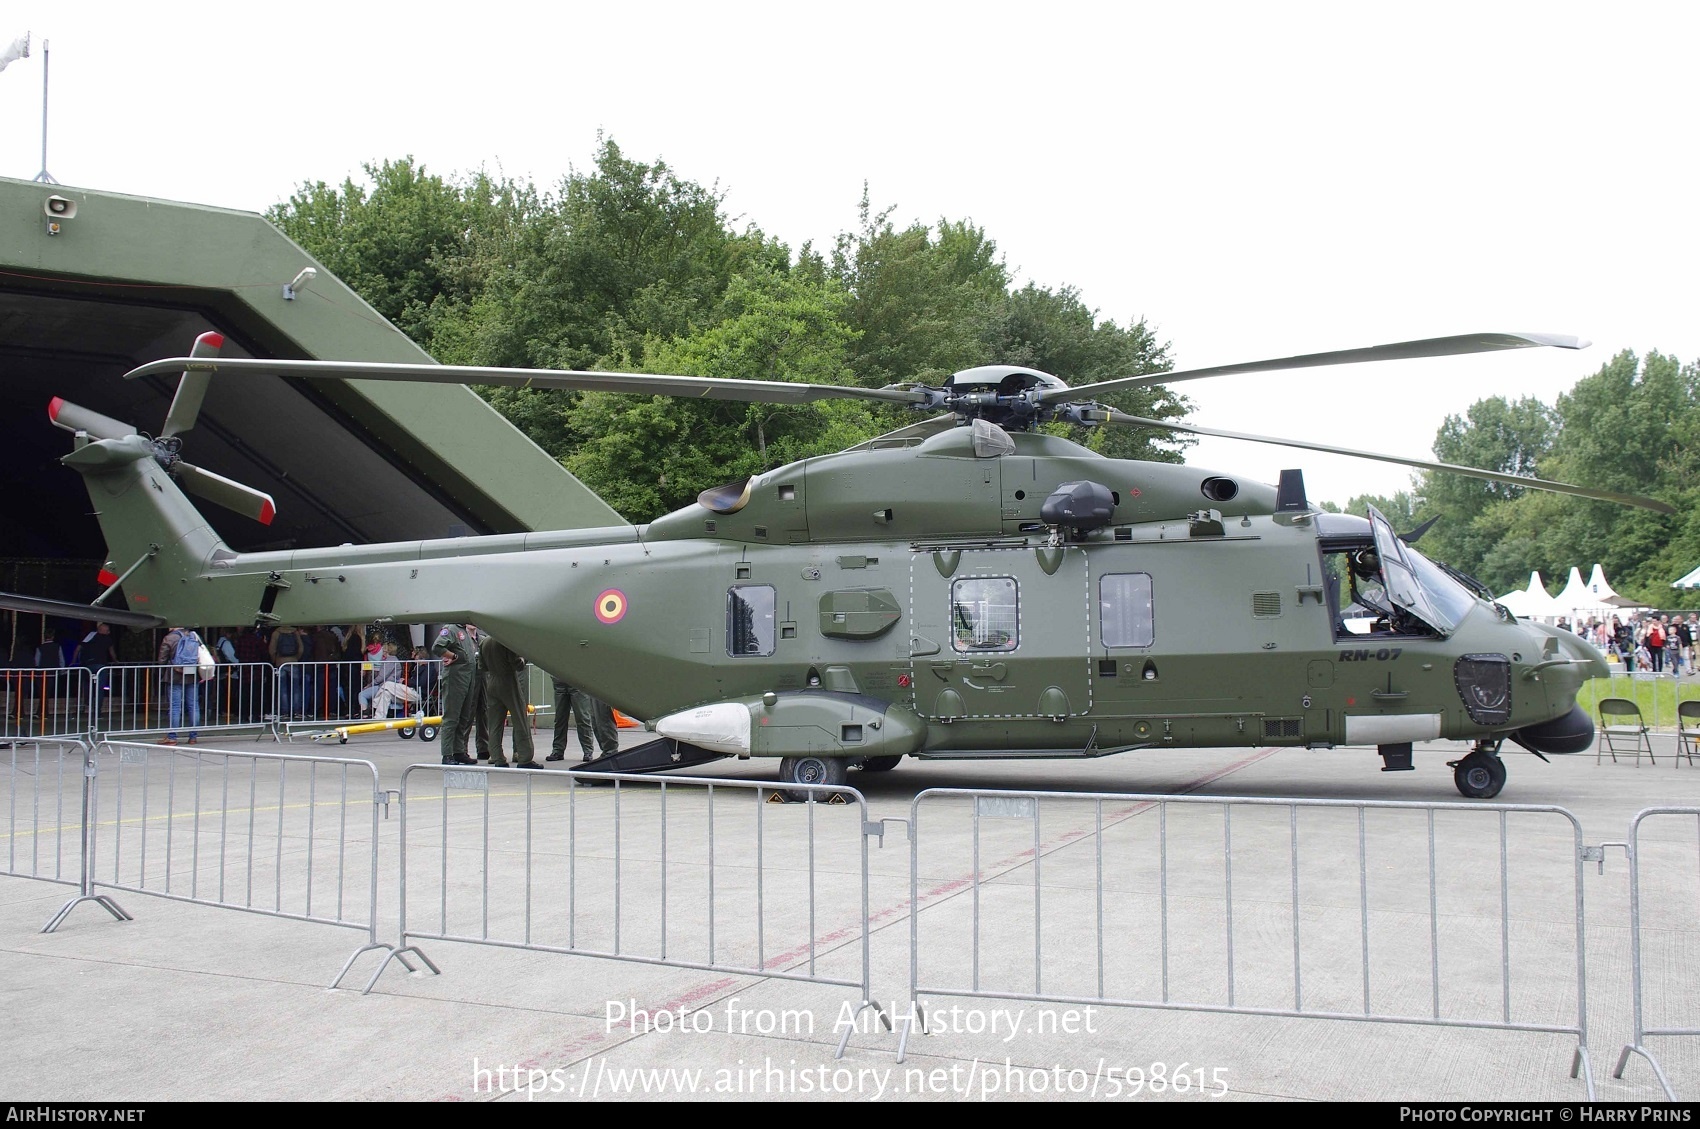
x,y
589,715
503,674
455,645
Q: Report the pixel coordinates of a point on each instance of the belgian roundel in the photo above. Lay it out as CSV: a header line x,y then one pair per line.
x,y
611,606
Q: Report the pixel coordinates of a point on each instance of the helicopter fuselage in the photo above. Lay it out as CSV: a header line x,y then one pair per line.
x,y
914,599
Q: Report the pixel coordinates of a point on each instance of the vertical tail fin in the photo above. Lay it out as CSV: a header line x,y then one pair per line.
x,y
148,521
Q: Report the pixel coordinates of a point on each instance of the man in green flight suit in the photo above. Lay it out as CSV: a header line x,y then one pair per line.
x,y
590,715
457,647
503,673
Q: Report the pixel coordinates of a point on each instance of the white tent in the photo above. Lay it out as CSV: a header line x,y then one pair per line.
x,y
1602,590
1532,602
1692,580
1578,603
1599,585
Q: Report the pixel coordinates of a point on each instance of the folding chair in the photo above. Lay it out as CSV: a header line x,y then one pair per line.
x,y
1620,723
1687,730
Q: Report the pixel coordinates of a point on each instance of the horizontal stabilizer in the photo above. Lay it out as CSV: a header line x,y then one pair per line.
x,y
75,417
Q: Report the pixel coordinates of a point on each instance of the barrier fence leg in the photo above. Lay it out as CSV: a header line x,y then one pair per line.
x,y
85,882
1636,1048
397,953
380,798
868,831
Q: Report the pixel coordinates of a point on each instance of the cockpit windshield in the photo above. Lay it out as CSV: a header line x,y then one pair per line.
x,y
1450,599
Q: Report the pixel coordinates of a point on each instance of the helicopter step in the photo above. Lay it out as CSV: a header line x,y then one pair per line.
x,y
1025,754
663,754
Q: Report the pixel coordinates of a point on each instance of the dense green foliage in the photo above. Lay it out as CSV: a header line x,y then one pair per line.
x,y
1632,427
629,267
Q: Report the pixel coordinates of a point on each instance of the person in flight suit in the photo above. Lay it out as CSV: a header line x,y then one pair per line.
x,y
480,711
456,645
589,715
503,674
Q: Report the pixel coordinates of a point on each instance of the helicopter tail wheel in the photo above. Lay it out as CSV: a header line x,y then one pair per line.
x,y
881,764
1479,776
811,770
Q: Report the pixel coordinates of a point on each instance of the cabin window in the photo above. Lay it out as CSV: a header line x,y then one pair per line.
x,y
983,614
1125,616
750,620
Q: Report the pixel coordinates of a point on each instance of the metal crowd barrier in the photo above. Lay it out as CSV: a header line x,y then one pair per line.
x,y
293,837
533,860
1657,694
1092,902
49,802
312,695
137,700
53,703
1673,893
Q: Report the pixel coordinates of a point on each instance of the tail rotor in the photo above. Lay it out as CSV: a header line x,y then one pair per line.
x,y
185,410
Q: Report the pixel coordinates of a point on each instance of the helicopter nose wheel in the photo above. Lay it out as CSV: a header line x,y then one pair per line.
x,y
1479,776
811,770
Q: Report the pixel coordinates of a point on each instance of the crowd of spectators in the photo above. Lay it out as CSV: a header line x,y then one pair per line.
x,y
1651,642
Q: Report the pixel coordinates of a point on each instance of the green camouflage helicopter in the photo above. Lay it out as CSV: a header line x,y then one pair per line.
x,y
966,587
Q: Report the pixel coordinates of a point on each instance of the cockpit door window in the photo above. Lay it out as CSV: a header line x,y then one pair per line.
x,y
1399,575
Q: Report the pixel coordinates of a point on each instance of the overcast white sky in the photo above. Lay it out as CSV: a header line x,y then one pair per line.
x,y
1255,180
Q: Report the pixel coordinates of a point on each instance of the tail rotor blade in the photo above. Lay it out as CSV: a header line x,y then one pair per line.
x,y
192,387
226,492
74,417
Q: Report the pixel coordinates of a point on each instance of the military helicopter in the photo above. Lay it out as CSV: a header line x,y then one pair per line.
x,y
964,587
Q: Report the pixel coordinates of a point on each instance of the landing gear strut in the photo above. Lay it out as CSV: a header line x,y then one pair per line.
x,y
1480,775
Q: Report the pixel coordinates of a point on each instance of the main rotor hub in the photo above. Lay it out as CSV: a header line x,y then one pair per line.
x,y
1007,395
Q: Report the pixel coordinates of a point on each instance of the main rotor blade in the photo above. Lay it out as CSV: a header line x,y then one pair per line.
x,y
191,387
1404,350
1490,475
631,383
226,492
75,417
64,610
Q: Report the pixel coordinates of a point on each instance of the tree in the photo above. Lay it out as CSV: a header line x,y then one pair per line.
x,y
1627,427
1055,332
415,246
1400,510
922,306
649,455
1494,434
626,254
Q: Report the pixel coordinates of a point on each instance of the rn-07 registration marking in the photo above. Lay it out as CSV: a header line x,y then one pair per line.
x,y
1364,654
